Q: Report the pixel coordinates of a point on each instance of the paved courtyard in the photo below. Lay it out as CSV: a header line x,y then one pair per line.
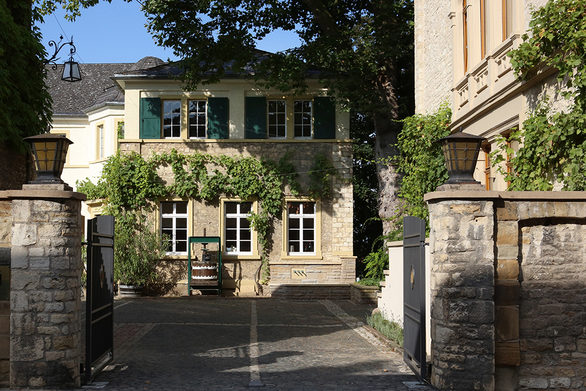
x,y
209,343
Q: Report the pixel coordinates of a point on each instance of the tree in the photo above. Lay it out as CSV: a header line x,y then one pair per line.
x,y
25,104
362,49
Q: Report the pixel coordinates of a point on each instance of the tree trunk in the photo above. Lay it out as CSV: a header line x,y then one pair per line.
x,y
387,131
388,176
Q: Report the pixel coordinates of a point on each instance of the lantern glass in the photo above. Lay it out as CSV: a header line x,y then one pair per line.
x,y
460,153
71,71
49,154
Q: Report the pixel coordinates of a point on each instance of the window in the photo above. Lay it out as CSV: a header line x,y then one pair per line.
x,y
120,129
487,168
465,32
172,119
238,234
302,114
277,119
101,142
197,118
483,27
507,18
174,226
301,237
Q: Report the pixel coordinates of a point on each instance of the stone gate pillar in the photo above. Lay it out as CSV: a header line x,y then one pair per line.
x,y
462,289
45,300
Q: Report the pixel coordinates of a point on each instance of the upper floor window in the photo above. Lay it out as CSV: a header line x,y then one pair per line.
x,y
465,33
197,118
302,114
101,142
238,232
174,226
508,15
172,119
483,28
277,118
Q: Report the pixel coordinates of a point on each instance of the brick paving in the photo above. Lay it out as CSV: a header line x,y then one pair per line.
x,y
208,343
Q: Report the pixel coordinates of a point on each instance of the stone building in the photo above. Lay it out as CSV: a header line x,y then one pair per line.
x,y
461,49
312,242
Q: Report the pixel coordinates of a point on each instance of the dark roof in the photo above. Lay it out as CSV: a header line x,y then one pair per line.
x,y
173,70
95,88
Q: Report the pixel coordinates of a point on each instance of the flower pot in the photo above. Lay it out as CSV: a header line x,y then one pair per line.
x,y
128,291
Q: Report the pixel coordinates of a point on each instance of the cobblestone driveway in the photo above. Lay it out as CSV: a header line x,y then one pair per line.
x,y
202,343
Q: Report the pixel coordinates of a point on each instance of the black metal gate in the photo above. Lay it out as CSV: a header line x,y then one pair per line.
x,y
414,353
99,337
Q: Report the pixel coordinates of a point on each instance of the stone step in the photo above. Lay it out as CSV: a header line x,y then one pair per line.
x,y
382,284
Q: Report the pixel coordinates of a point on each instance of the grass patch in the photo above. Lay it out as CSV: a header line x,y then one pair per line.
x,y
391,330
370,281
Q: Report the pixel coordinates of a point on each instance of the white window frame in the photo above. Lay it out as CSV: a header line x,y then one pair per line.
x,y
300,216
174,216
173,124
277,124
303,126
101,142
238,216
205,112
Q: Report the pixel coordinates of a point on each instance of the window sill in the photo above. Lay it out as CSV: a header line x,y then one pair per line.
x,y
301,257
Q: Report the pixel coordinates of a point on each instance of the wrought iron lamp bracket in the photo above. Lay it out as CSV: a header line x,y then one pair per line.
x,y
57,47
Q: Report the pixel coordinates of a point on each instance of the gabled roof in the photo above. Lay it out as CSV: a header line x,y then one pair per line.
x,y
95,89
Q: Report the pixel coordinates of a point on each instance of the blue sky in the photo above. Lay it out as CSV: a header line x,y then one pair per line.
x,y
116,32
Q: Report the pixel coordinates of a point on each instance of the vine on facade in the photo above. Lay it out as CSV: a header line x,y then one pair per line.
x,y
130,182
553,148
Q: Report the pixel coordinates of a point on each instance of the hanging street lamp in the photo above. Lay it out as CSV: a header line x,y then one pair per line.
x,y
49,153
460,154
71,71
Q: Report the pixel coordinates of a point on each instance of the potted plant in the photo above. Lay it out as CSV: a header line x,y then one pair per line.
x,y
136,252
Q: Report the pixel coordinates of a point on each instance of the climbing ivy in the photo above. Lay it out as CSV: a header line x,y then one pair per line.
x,y
553,143
421,161
422,166
130,182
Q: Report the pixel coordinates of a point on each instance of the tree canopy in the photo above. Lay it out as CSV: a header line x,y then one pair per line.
x,y
362,51
25,104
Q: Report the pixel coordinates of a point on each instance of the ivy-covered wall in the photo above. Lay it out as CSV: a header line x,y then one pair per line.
x,y
334,262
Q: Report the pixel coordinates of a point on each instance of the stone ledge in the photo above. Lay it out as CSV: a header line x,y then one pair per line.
x,y
364,294
310,291
41,194
506,195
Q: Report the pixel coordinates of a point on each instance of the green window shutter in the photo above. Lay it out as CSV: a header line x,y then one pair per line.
x,y
255,123
150,118
324,118
218,113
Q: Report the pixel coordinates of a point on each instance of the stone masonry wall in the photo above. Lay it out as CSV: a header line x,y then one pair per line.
x,y
45,325
462,289
337,264
536,243
5,234
433,54
541,295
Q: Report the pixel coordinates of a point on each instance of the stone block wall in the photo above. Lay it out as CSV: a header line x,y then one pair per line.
x,y
45,305
433,53
541,294
337,264
462,289
538,242
5,235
